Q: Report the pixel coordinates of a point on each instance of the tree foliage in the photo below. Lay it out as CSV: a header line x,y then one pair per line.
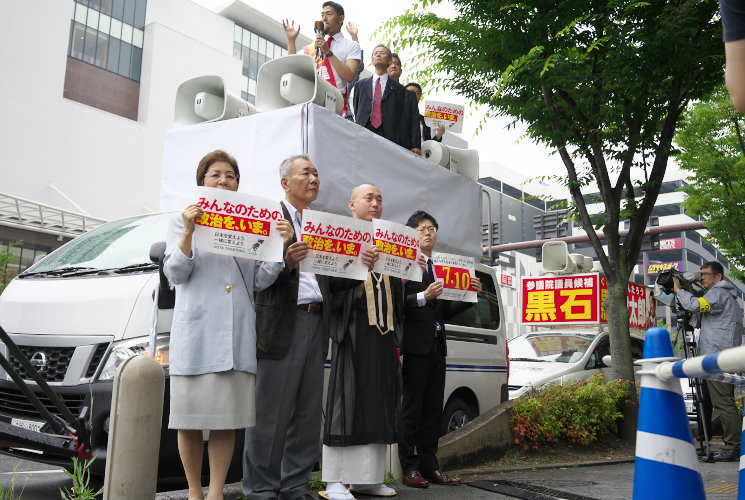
x,y
601,82
712,145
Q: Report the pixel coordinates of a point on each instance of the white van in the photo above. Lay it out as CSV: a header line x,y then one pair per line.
x,y
89,305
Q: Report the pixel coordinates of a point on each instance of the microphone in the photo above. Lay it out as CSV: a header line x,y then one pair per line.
x,y
320,28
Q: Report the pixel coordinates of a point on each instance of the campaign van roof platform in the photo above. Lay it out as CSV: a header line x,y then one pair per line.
x,y
345,154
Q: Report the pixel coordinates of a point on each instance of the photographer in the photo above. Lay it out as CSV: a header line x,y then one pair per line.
x,y
721,328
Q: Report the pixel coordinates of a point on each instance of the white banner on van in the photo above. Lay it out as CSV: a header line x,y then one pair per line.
x,y
399,250
237,224
455,273
336,243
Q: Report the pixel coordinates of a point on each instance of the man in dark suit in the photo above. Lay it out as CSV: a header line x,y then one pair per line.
x,y
426,132
424,352
292,323
383,106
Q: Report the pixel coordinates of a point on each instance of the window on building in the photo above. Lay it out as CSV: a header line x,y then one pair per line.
x,y
670,186
109,34
512,191
662,210
253,50
22,255
693,236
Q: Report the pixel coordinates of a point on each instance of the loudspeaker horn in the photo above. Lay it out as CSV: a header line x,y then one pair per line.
x,y
289,80
205,99
555,257
464,162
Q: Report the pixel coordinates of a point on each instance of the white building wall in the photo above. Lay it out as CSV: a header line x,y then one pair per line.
x,y
63,153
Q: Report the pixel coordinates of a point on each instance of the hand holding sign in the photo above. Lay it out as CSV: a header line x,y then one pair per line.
x,y
450,116
456,272
237,224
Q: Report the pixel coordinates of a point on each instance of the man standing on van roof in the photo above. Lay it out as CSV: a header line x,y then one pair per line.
x,y
292,324
337,58
424,351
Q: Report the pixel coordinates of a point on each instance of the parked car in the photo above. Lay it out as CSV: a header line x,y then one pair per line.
x,y
559,357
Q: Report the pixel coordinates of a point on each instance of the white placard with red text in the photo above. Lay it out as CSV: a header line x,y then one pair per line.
x,y
336,244
456,273
399,250
238,224
438,113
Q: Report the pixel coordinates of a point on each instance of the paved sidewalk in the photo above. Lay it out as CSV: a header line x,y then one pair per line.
x,y
613,481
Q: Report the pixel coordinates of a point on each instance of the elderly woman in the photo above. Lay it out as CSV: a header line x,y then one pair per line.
x,y
213,337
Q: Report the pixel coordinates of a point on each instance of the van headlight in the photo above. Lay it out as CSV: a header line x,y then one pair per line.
x,y
122,351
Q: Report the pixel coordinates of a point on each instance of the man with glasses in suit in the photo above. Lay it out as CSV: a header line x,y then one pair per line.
x,y
424,351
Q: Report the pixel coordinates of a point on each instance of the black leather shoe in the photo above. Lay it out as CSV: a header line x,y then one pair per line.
x,y
727,455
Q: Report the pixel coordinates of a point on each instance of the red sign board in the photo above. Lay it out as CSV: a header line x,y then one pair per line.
x,y
671,244
506,279
576,299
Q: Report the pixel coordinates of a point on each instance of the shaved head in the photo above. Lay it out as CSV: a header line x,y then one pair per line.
x,y
366,202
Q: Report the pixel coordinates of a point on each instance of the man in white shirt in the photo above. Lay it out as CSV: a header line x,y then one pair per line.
x,y
337,57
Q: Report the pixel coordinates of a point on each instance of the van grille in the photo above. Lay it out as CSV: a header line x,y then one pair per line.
x,y
15,404
96,359
58,358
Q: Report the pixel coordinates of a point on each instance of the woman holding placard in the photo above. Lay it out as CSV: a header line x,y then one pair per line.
x,y
213,336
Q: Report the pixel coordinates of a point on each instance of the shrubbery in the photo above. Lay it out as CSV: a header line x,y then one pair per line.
x,y
577,413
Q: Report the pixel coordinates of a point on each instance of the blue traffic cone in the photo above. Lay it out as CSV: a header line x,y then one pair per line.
x,y
741,482
666,465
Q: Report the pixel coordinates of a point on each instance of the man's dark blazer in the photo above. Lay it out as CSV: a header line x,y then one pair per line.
x,y
276,308
400,114
426,132
419,323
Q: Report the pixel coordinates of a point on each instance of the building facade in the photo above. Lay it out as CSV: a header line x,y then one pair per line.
x,y
88,96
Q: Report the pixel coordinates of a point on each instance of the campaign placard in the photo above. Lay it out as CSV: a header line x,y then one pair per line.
x,y
399,250
238,224
456,273
336,244
438,113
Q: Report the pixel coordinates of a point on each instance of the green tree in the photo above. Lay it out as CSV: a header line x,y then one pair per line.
x,y
713,151
601,82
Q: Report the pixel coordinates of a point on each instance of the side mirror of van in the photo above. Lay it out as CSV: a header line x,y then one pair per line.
x,y
166,296
607,360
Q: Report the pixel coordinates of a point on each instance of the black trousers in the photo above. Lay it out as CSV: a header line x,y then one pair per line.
x,y
421,410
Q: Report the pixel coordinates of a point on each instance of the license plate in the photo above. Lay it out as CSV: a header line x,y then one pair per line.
x,y
27,424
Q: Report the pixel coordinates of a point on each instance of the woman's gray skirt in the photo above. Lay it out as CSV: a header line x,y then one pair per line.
x,y
215,401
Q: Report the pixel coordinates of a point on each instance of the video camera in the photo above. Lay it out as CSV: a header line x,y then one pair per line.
x,y
689,281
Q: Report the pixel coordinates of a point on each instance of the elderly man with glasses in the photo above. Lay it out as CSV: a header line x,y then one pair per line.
x,y
424,350
721,328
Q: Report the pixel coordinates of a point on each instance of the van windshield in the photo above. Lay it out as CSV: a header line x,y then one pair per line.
x,y
120,244
549,347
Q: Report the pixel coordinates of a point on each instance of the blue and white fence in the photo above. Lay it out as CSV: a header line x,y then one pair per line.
x,y
666,462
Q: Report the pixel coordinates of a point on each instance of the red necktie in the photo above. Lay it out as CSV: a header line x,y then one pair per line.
x,y
376,118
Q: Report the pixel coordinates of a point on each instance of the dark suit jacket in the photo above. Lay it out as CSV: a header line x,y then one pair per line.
x,y
400,114
419,323
426,132
276,308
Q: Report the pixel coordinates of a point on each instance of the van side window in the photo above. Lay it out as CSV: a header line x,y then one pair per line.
x,y
485,313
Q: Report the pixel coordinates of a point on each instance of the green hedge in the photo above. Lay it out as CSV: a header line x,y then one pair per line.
x,y
577,413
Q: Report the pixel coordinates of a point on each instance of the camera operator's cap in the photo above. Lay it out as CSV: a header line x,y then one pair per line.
x,y
657,343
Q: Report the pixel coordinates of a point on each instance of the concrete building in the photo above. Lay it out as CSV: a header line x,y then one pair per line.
x,y
88,94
